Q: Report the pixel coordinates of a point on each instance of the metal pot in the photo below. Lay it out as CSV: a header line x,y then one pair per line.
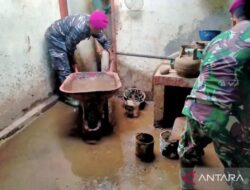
x,y
187,64
132,108
168,148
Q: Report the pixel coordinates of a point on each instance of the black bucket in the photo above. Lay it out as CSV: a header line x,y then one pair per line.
x,y
145,147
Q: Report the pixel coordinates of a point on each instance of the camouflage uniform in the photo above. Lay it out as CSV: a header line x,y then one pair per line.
x,y
62,38
218,108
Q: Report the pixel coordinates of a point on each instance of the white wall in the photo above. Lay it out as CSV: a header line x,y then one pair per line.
x,y
25,75
160,28
79,6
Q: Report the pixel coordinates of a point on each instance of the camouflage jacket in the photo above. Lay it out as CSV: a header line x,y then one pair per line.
x,y
223,85
66,33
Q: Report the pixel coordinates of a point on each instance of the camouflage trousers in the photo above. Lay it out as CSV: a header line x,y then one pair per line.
x,y
194,139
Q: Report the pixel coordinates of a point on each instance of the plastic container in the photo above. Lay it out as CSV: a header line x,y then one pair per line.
x,y
208,35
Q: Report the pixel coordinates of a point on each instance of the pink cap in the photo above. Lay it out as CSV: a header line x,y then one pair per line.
x,y
235,5
98,20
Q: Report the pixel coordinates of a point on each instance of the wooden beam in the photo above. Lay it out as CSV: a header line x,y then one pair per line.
x,y
63,5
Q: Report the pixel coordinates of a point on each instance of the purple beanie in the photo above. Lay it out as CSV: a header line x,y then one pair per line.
x,y
235,5
98,20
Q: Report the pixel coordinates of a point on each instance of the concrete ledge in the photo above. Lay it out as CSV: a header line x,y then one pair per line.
x,y
26,119
172,79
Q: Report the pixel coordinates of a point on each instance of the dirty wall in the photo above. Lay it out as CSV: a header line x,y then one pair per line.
x,y
159,28
25,75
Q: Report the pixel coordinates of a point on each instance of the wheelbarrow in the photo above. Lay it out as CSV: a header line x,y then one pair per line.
x,y
92,89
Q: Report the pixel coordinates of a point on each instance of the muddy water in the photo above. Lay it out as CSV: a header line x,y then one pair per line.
x,y
103,83
49,155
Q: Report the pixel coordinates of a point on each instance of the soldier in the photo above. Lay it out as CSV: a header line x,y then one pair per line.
x,y
218,108
63,36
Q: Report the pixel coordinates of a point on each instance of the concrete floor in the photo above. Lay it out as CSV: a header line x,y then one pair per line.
x,y
46,156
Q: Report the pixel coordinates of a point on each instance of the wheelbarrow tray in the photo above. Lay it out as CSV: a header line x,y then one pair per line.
x,y
90,82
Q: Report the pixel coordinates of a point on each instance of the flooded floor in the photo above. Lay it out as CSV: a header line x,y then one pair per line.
x,y
47,156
